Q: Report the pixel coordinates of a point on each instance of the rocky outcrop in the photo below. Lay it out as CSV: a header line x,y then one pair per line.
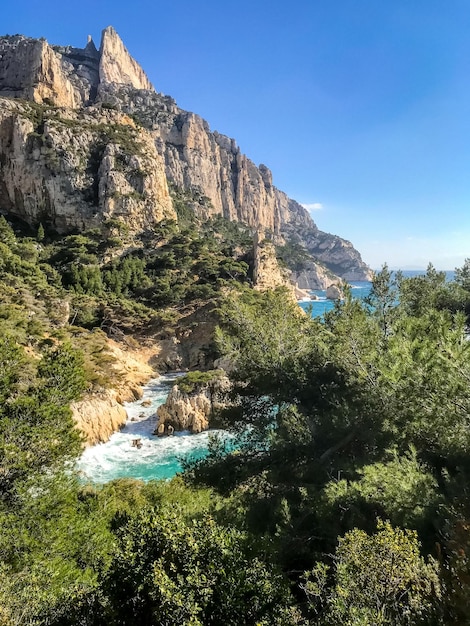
x,y
98,417
31,69
131,366
65,76
334,292
192,410
314,276
184,411
75,170
116,64
213,165
100,414
267,273
180,146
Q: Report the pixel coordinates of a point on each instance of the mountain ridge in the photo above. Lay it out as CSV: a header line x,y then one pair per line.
x,y
109,85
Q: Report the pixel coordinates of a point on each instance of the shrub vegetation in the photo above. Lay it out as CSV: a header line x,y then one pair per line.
x,y
347,500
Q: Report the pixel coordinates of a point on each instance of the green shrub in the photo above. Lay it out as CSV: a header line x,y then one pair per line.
x,y
193,381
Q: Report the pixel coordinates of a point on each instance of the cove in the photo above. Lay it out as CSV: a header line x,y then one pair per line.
x,y
158,457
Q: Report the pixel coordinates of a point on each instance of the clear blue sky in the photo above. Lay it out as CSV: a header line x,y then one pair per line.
x,y
360,107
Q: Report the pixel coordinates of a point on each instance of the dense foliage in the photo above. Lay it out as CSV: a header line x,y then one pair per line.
x,y
347,500
366,413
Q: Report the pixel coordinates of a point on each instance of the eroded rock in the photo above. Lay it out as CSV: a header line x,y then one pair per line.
x,y
193,410
334,292
99,416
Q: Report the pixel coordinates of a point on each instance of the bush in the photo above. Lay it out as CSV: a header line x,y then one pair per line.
x,y
193,381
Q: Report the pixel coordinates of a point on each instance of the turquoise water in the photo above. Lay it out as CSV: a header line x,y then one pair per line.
x,y
360,289
158,458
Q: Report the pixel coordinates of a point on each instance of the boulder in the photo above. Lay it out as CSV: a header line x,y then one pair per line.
x,y
334,292
192,410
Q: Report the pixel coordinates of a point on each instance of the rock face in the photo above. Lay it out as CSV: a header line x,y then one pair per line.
x,y
76,169
65,76
184,412
45,164
314,276
334,292
101,414
98,417
116,64
192,411
32,70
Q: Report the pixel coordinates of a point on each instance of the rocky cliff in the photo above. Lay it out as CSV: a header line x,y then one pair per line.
x,y
314,276
75,169
116,64
65,76
88,161
192,407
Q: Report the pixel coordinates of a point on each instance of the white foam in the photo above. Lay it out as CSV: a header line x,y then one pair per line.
x,y
158,457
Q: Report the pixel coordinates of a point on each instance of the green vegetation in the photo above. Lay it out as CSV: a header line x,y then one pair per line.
x,y
293,255
194,380
378,579
347,500
366,415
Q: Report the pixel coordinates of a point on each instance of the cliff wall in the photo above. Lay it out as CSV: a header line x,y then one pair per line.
x,y
75,169
74,179
228,183
98,417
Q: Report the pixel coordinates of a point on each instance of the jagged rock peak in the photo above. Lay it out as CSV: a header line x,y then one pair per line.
x,y
90,46
65,76
117,65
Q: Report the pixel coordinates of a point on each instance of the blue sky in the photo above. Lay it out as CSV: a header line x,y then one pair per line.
x,y
361,108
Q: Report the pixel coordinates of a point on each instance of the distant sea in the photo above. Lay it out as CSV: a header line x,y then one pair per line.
x,y
360,289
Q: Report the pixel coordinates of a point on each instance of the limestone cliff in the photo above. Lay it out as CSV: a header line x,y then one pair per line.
x,y
47,164
314,276
32,70
76,169
98,417
193,409
228,183
116,64
65,76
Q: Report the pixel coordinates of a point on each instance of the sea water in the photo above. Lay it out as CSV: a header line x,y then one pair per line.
x,y
160,457
359,289
157,457
321,305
